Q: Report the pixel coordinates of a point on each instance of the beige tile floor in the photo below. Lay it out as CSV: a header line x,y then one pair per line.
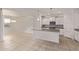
x,y
17,41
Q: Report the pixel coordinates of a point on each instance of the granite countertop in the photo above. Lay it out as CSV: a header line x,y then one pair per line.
x,y
53,30
55,26
77,30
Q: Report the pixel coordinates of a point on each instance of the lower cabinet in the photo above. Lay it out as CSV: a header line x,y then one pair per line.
x,y
77,35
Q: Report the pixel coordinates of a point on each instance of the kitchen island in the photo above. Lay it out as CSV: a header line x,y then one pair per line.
x,y
46,34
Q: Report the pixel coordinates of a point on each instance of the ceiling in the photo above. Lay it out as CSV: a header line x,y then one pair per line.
x,y
30,12
20,12
25,12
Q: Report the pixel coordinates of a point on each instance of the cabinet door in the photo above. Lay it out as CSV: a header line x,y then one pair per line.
x,y
76,35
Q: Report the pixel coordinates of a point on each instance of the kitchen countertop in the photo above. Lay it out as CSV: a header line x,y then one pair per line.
x,y
53,30
55,26
77,30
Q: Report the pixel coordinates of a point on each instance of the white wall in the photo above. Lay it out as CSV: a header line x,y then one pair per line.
x,y
24,19
76,18
23,24
70,22
1,25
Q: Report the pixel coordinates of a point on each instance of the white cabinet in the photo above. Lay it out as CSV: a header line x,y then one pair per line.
x,y
77,35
